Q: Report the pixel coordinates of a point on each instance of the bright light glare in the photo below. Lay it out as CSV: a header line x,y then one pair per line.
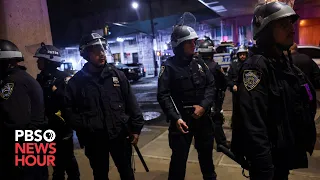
x,y
120,39
135,5
165,47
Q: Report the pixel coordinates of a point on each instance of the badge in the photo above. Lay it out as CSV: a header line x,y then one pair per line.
x,y
251,79
6,91
162,70
115,81
206,66
66,80
200,68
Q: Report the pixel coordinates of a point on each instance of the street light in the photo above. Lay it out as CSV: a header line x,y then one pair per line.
x,y
135,5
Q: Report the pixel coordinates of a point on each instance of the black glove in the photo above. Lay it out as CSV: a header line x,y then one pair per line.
x,y
213,112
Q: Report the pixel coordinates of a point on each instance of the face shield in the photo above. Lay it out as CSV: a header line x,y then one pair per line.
x,y
98,52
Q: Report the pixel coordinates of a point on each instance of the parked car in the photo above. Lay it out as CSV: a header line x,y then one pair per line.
x,y
132,73
138,65
223,55
311,51
67,67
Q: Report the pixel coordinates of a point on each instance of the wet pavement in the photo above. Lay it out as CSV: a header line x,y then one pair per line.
x,y
154,146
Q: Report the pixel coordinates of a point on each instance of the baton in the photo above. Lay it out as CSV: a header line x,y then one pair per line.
x,y
137,150
228,153
141,157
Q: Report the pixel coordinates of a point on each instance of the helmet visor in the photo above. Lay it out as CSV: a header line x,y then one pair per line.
x,y
98,47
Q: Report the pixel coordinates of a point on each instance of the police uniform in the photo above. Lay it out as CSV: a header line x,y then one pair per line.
x,y
206,51
184,81
274,124
233,72
188,82
21,108
103,110
220,86
65,160
309,67
281,129
232,78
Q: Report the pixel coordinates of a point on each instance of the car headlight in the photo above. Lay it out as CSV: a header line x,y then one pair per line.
x,y
130,70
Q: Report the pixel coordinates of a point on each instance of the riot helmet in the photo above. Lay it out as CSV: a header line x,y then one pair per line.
x,y
49,57
9,50
266,13
206,49
48,52
94,43
242,53
180,35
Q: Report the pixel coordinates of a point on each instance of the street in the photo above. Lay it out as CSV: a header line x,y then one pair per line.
x,y
154,146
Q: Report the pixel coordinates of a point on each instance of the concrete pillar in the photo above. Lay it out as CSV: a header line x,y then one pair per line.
x,y
235,31
25,23
221,29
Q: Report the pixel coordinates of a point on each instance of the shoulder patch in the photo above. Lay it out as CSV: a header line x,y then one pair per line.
x,y
6,91
66,80
200,68
162,70
251,79
206,66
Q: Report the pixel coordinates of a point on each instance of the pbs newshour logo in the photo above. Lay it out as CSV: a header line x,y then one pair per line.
x,y
35,147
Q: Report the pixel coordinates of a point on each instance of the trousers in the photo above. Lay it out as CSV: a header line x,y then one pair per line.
x,y
203,131
97,149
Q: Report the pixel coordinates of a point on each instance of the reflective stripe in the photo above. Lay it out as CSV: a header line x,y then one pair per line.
x,y
46,56
192,35
205,49
96,42
10,54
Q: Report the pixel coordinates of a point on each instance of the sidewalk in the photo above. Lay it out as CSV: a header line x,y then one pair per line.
x,y
155,149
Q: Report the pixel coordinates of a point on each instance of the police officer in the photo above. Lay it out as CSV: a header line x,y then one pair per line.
x,y
21,108
233,73
53,83
185,94
274,124
103,110
242,55
206,52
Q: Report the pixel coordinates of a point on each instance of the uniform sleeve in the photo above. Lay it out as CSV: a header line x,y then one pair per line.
x,y
315,72
136,120
61,88
37,116
253,107
70,110
210,91
230,77
164,94
222,78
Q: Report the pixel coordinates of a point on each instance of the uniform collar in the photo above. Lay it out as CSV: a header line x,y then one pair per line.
x,y
13,70
105,72
182,60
